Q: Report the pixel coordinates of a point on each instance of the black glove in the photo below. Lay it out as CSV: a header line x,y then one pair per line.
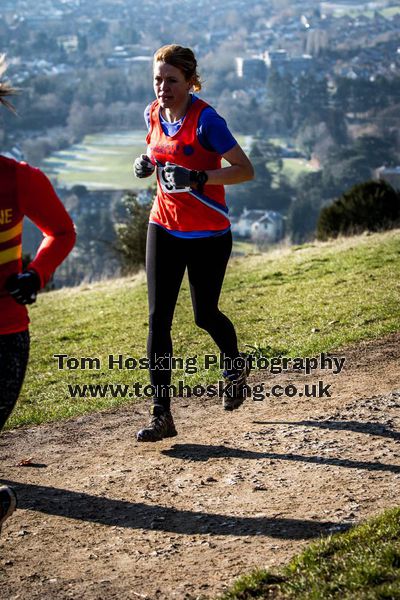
x,y
180,177
143,167
23,287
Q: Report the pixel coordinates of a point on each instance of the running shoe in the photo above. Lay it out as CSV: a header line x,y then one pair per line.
x,y
8,503
235,389
161,426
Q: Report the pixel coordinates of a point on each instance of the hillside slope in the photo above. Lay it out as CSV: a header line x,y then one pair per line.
x,y
101,515
298,301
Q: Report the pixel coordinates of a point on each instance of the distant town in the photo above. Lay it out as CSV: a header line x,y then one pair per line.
x,y
56,37
315,86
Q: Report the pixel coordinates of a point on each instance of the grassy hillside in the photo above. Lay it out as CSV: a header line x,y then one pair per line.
x,y
296,301
362,564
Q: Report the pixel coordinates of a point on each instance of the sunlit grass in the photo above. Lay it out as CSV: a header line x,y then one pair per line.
x,y
361,564
104,161
101,161
339,9
293,167
300,300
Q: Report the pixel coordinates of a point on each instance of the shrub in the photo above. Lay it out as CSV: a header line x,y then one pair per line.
x,y
131,243
371,206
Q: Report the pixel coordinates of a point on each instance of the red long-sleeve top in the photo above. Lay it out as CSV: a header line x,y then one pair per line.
x,y
26,191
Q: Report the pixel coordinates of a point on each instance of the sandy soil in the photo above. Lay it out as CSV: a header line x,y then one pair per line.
x,y
101,515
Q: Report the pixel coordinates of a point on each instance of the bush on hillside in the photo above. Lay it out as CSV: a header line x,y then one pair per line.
x,y
303,216
131,236
371,206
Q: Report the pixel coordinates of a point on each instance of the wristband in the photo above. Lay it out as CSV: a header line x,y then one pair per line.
x,y
200,178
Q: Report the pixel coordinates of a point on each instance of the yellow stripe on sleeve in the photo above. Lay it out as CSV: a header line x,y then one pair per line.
x,y
11,233
10,254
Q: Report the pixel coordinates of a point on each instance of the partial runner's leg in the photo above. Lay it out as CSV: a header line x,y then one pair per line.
x,y
207,263
8,503
165,267
206,269
14,354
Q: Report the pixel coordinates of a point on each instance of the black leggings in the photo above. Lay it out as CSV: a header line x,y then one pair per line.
x,y
167,257
14,354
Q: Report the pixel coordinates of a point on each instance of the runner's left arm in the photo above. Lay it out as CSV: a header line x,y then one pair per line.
x,y
240,169
215,135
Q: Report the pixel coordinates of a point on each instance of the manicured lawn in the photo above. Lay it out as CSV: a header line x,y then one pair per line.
x,y
104,161
293,167
101,161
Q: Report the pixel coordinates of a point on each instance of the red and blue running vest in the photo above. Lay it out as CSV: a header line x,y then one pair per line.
x,y
187,210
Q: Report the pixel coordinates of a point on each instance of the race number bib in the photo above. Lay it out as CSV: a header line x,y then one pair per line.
x,y
168,187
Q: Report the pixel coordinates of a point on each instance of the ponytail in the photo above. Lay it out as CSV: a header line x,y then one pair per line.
x,y
6,88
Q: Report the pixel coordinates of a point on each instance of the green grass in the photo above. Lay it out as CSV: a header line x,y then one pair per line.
x,y
361,564
244,248
101,161
390,11
347,289
293,167
279,141
104,161
340,10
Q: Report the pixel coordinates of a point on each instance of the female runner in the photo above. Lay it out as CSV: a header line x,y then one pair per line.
x,y
189,225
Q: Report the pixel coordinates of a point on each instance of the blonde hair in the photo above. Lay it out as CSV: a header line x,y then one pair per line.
x,y
181,58
6,88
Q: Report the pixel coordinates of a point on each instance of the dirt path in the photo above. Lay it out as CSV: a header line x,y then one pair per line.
x,y
103,516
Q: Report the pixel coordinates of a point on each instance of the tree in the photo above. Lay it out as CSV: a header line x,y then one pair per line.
x,y
255,193
336,124
271,154
280,195
359,95
312,98
303,217
344,168
281,96
269,190
343,97
348,165
304,211
376,150
131,236
316,138
82,43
